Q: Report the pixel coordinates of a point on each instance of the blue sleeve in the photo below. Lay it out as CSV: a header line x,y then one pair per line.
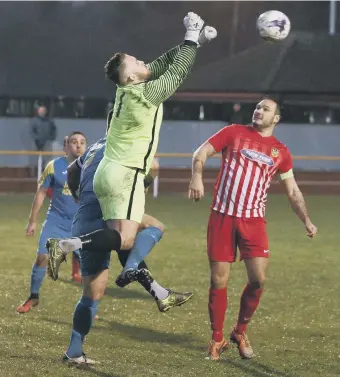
x,y
47,177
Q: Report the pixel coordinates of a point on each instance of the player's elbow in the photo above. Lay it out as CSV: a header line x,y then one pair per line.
x,y
196,154
200,155
42,191
293,192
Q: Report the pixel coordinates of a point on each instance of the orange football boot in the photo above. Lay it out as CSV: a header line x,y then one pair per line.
x,y
241,340
27,305
216,348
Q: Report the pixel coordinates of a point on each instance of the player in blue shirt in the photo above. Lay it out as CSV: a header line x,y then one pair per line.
x,y
59,215
94,265
76,277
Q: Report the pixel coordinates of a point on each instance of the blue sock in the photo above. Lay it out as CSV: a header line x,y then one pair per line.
x,y
37,277
145,241
83,315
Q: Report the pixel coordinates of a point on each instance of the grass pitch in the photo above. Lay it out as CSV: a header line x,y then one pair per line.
x,y
295,331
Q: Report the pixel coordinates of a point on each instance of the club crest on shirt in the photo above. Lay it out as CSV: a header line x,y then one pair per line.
x,y
257,156
66,190
275,152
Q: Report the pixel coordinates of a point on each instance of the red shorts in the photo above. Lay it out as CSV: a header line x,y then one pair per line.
x,y
226,233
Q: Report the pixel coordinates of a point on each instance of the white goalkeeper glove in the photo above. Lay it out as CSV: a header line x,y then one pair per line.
x,y
206,35
193,23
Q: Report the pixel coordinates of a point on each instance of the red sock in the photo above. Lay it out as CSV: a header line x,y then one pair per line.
x,y
249,302
217,308
75,266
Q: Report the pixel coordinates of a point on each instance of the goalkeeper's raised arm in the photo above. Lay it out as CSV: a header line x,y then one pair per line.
x,y
158,90
159,66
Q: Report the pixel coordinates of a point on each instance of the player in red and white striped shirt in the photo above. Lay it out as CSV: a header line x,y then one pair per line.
x,y
251,156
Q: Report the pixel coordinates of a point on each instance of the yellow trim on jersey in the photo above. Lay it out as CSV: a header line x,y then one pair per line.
x,y
49,170
287,175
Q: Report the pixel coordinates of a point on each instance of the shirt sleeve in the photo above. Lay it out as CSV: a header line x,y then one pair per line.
x,y
47,178
159,90
221,139
286,167
161,64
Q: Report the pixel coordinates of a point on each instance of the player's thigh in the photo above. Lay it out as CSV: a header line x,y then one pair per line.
x,y
219,274
128,230
51,229
149,221
91,263
120,191
252,238
221,243
94,285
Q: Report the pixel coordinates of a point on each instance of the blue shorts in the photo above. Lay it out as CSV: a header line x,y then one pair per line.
x,y
52,229
91,263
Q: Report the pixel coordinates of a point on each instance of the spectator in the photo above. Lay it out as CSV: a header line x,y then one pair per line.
x,y
238,114
43,129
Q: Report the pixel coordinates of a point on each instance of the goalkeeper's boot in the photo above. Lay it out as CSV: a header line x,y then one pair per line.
x,y
56,256
215,349
126,277
244,347
27,305
172,300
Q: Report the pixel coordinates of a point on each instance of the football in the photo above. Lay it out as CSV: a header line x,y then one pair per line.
x,y
273,26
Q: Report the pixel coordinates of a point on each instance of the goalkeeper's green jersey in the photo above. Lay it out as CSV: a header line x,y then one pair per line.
x,y
138,112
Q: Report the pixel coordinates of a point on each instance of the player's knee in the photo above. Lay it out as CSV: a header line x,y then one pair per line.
x,y
150,221
259,282
94,286
98,294
218,281
127,242
159,225
219,274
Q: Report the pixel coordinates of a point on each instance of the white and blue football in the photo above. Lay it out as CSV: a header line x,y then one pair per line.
x,y
273,25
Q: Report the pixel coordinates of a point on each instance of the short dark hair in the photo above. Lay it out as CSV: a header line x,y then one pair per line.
x,y
75,133
112,67
277,101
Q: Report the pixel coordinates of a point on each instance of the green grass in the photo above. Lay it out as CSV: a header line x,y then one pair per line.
x,y
295,331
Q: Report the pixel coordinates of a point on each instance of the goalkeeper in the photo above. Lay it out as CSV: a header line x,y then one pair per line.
x,y
131,145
